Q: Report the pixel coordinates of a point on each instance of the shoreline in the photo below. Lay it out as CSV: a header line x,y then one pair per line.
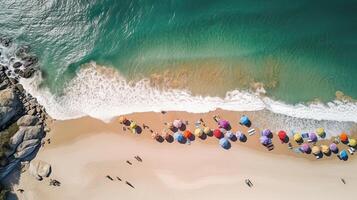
x,y
82,152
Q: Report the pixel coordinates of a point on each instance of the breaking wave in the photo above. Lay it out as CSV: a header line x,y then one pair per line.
x,y
102,92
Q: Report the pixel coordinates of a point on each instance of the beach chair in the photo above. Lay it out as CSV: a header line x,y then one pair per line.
x,y
351,151
251,132
270,147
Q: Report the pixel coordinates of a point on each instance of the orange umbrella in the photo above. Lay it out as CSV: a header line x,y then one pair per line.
x,y
187,134
344,137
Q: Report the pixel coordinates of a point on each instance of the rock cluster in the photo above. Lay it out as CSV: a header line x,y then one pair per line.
x,y
22,118
39,169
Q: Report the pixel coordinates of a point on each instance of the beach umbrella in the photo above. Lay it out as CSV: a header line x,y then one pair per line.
x,y
207,130
122,119
316,150
321,132
224,142
198,132
333,147
264,140
297,137
229,135
352,142
343,155
187,134
179,137
244,120
177,123
240,136
325,149
223,124
305,148
133,125
344,137
282,136
313,137
166,135
267,133
218,133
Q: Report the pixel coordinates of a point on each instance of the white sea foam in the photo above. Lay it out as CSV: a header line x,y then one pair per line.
x,y
104,94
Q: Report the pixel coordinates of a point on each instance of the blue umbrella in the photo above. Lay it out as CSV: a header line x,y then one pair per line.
x,y
240,136
179,137
343,155
244,120
224,142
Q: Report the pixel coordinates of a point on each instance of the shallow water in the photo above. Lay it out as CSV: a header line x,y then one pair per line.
x,y
299,51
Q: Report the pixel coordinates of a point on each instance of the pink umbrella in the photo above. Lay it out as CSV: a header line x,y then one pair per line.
x,y
177,123
305,148
223,124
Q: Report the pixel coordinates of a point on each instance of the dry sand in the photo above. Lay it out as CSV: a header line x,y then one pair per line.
x,y
83,151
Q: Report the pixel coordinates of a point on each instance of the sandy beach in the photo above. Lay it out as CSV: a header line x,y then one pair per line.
x,y
84,151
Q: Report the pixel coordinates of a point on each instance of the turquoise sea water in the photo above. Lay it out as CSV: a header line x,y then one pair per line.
x,y
300,50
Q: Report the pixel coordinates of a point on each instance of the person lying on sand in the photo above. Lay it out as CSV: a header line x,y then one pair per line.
x,y
119,179
138,158
129,162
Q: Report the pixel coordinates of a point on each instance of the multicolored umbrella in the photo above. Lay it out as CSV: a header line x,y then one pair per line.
x,y
187,134
267,133
305,148
282,136
352,143
179,137
343,155
198,132
321,132
218,133
333,147
229,135
316,150
313,137
177,123
241,136
325,149
297,137
207,130
244,120
224,142
264,140
344,137
224,124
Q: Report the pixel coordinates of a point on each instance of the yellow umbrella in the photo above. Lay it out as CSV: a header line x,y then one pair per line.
x,y
352,143
207,130
133,125
122,119
325,149
297,137
198,132
316,150
320,132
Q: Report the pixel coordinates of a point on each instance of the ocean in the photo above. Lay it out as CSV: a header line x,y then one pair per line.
x,y
108,57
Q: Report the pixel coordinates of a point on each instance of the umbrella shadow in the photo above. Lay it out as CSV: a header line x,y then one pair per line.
x,y
243,138
209,134
138,130
233,138
336,151
192,137
169,139
183,127
249,124
174,129
286,140
160,139
327,153
203,136
127,123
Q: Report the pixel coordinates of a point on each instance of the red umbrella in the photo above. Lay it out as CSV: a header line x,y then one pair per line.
x,y
282,136
217,133
187,134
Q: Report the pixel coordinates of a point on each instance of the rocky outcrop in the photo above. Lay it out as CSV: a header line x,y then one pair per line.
x,y
22,118
39,169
